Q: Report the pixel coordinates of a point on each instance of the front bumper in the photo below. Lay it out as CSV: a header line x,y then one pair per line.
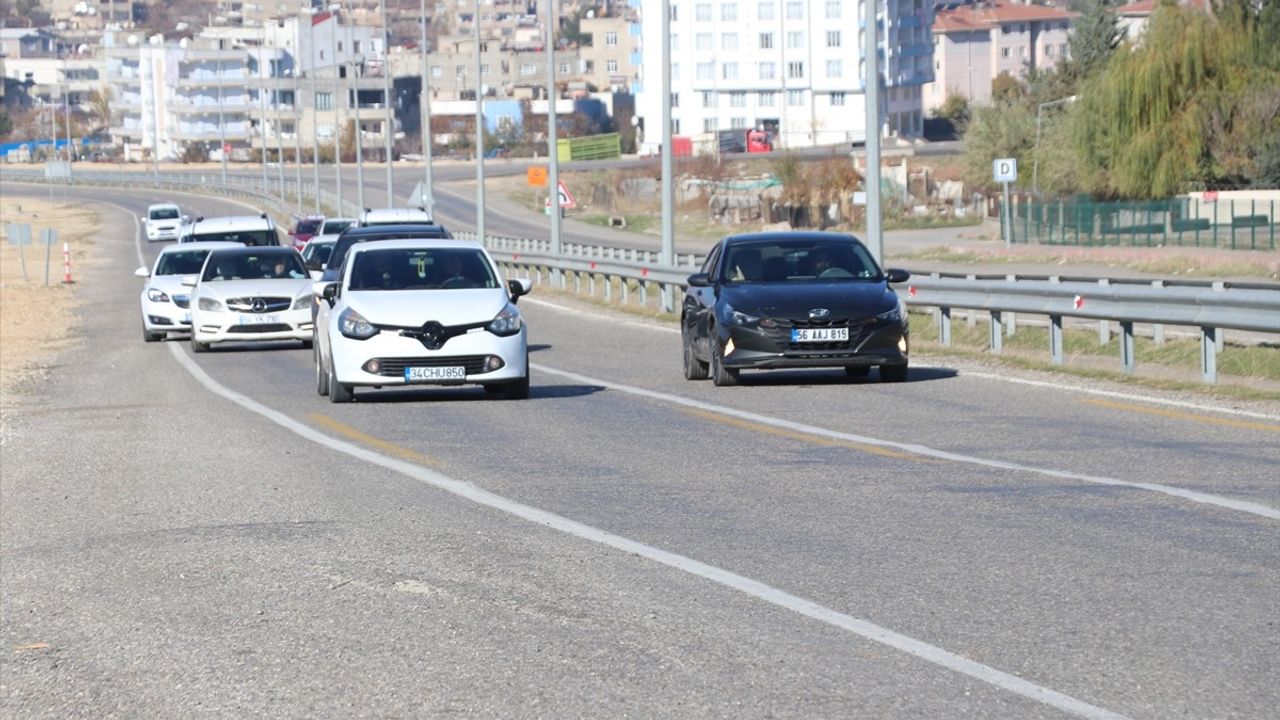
x,y
395,352
230,326
162,234
868,345
165,317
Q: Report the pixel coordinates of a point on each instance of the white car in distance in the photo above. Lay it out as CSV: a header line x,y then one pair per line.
x,y
250,294
162,221
166,302
432,312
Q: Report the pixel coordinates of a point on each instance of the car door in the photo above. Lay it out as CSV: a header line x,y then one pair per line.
x,y
700,304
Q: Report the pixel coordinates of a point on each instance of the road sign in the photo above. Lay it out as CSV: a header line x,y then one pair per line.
x,y
566,200
19,234
48,236
419,197
1005,170
537,176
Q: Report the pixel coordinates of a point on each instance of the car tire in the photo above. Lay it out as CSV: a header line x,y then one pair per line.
x,y
197,346
339,393
857,371
306,344
322,375
518,390
694,369
721,376
893,373
148,336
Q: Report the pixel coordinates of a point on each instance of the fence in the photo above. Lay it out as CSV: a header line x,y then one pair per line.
x,y
1197,220
594,147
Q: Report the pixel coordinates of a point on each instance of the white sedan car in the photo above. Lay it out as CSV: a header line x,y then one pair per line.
x,y
407,312
166,303
251,293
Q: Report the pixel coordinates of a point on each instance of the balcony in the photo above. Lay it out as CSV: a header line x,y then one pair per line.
x,y
230,106
210,135
211,81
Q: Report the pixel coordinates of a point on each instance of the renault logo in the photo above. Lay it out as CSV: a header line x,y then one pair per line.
x,y
431,335
259,305
819,314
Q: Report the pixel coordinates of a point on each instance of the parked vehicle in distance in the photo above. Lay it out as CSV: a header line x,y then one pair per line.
x,y
316,254
408,312
166,303
162,221
306,228
248,294
250,230
394,216
793,300
743,140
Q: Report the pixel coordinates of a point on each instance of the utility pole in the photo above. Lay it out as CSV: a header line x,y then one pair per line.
x,y
279,68
339,92
553,156
262,101
875,236
388,128
479,132
359,140
668,257
425,101
222,119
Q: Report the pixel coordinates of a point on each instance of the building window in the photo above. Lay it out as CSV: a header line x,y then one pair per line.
x,y
674,14
768,98
708,99
675,100
1022,51
1004,52
702,12
833,9
708,124
729,41
675,126
702,42
436,71
355,46
833,38
1006,29
738,123
564,68
324,131
795,41
528,69
835,69
765,11
706,71
729,71
1048,51
795,97
766,70
837,99
729,12
675,71
795,69
1062,49
795,10
324,101
484,70
675,42
766,41
611,66
737,99
611,39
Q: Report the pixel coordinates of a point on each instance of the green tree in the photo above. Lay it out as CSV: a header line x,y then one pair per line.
x,y
1004,129
6,124
956,109
1006,88
1094,38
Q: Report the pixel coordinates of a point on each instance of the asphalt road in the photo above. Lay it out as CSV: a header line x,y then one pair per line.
x,y
190,535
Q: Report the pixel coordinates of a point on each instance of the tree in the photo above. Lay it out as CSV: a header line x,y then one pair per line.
x,y
1007,89
1005,129
956,109
1094,38
6,124
100,106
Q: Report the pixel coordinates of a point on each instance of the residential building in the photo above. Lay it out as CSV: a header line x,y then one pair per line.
x,y
504,73
612,60
791,67
974,44
71,78
1133,17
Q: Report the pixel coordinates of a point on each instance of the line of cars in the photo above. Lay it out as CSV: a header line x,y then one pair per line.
x,y
390,303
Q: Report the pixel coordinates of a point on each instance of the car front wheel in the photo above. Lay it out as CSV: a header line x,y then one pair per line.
x,y
694,369
339,393
322,377
721,376
148,336
197,346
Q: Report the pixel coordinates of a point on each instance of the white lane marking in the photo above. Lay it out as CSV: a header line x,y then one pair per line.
x,y
1192,495
720,576
965,374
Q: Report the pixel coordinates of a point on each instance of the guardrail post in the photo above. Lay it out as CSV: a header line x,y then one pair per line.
x,y
626,290
1126,347
995,332
668,298
944,326
577,284
1055,339
1209,354
608,288
591,284
644,294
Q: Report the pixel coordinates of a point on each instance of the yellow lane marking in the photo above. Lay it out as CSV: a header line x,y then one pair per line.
x,y
1179,415
806,437
30,646
349,432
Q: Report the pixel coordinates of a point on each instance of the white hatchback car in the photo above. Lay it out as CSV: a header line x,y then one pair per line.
x,y
251,293
166,303
162,222
426,311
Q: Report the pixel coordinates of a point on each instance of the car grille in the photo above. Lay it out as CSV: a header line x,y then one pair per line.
x,y
182,301
255,329
858,332
394,367
272,304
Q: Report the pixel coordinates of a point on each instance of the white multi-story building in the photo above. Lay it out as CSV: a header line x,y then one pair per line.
x,y
792,67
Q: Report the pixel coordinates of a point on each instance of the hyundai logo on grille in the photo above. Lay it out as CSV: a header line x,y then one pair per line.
x,y
259,305
819,314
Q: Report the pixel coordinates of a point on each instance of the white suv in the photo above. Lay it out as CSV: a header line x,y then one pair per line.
x,y
252,230
166,304
162,221
395,216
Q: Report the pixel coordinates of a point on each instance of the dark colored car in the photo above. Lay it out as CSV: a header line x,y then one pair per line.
x,y
353,235
305,229
793,300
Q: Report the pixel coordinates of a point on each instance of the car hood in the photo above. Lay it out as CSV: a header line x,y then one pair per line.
x,y
795,300
412,308
168,284
278,287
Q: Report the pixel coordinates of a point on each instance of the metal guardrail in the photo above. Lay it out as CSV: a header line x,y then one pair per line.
x,y
1207,305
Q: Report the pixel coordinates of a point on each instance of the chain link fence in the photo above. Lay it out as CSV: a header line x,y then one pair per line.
x,y
1201,220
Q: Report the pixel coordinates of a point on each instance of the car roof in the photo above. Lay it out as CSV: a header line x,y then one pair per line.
x,y
384,215
229,223
415,244
788,235
207,245
238,249
408,230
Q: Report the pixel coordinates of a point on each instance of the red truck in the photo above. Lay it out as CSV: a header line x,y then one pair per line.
x,y
750,141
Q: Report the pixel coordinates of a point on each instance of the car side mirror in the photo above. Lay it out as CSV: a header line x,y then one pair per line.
x,y
314,265
142,272
186,219
518,287
894,275
143,219
699,280
330,293
189,281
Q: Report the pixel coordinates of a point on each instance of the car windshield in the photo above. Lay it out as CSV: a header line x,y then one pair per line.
x,y
244,237
253,266
421,269
333,227
345,242
186,262
317,252
799,261
165,214
306,227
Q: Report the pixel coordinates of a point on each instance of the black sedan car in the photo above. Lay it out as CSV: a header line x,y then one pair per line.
x,y
793,300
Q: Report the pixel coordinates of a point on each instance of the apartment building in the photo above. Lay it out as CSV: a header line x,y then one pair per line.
x,y
975,44
611,61
792,67
505,72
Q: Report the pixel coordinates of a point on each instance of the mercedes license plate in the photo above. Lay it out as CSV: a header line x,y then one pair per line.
x,y
434,374
832,334
269,319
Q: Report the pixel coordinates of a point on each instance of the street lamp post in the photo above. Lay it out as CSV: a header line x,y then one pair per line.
x,y
279,68
1035,163
553,159
425,100
358,61
388,128
297,140
222,118
479,131
262,103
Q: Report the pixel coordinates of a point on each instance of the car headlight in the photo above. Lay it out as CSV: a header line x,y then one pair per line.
x,y
744,320
302,302
508,322
353,325
209,304
895,315
156,295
